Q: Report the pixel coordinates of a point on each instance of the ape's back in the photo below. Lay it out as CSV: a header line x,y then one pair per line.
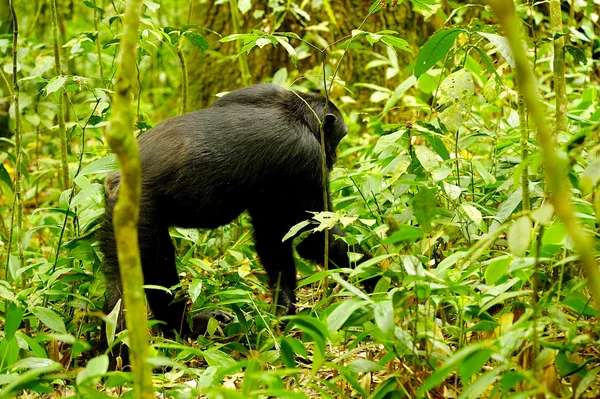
x,y
208,166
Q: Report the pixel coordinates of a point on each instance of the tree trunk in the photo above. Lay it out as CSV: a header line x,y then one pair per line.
x,y
217,70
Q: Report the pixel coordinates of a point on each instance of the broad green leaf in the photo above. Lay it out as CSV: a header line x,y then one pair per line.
x,y
295,230
507,208
452,191
152,6
396,42
497,269
216,358
195,289
482,384
244,6
501,43
473,363
519,236
424,206
364,366
427,158
435,49
110,322
290,348
340,314
485,175
94,370
50,318
106,164
438,145
451,365
452,117
288,47
280,77
544,214
473,213
385,317
458,89
94,7
14,316
6,291
197,40
591,175
404,233
55,84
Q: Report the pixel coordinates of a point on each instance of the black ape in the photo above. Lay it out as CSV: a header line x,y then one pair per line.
x,y
256,148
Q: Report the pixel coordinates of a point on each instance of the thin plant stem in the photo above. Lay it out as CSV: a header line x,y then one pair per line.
x,y
555,167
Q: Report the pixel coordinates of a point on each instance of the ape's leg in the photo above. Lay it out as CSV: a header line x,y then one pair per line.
x,y
158,263
114,289
276,256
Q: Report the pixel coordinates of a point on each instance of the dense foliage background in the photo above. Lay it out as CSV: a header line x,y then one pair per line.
x,y
483,293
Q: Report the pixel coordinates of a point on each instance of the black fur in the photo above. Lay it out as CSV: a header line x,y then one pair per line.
x,y
255,149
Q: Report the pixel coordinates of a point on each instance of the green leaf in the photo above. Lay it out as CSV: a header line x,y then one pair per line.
x,y
578,54
290,348
244,6
501,43
340,314
397,42
94,7
398,93
50,318
507,208
473,364
14,316
36,368
405,233
55,84
95,368
424,205
435,49
473,213
385,317
497,269
106,164
519,236
427,158
544,214
451,365
152,6
197,40
364,366
290,50
438,145
295,230
280,77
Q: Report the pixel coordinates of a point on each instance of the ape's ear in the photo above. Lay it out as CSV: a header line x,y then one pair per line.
x,y
334,130
330,120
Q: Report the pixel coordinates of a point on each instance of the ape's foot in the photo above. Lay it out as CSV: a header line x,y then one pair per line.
x,y
200,320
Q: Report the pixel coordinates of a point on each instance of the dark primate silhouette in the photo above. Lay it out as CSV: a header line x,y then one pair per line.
x,y
255,149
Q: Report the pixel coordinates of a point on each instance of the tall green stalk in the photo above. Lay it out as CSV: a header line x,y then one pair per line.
x,y
242,58
184,71
560,84
62,102
555,167
184,77
17,210
524,150
126,212
98,46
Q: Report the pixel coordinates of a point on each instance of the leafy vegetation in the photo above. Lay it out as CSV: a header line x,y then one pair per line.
x,y
487,247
